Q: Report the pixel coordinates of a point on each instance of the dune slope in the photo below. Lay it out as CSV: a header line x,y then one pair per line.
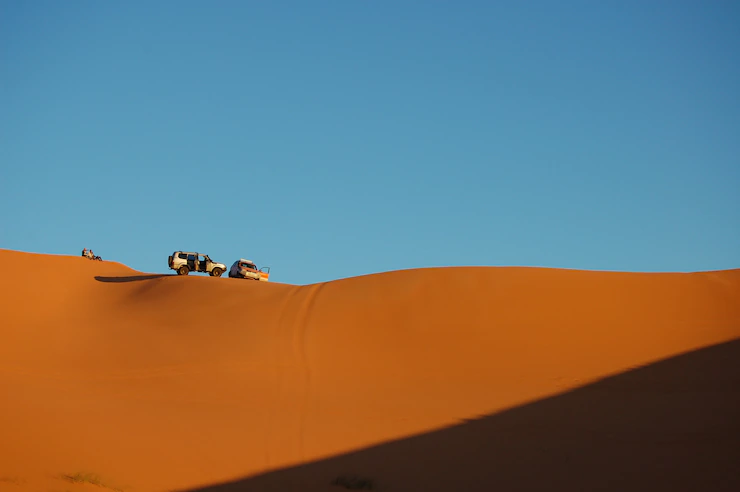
x,y
159,382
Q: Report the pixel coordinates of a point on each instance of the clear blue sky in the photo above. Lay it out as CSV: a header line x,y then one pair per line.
x,y
329,139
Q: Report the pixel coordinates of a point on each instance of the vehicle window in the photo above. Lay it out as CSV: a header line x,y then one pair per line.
x,y
182,256
191,257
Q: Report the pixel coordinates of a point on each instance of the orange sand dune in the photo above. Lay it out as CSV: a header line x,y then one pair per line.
x,y
429,379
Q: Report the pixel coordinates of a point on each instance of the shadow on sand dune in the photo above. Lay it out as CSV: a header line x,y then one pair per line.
x,y
131,278
673,425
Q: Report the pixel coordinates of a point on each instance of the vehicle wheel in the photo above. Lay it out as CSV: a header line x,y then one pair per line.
x,y
216,272
183,270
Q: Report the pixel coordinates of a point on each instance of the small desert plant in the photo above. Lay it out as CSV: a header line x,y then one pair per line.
x,y
84,478
90,478
13,480
353,483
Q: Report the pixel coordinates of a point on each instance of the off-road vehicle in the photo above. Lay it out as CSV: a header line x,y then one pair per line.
x,y
247,269
184,262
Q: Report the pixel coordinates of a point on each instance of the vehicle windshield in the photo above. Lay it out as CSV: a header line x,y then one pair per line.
x,y
248,265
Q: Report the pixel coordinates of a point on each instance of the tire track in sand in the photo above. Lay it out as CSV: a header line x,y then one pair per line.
x,y
292,368
279,372
300,336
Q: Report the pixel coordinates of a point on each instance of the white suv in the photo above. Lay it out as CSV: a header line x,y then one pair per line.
x,y
185,262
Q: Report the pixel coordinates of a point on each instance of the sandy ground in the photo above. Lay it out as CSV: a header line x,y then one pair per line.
x,y
429,379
